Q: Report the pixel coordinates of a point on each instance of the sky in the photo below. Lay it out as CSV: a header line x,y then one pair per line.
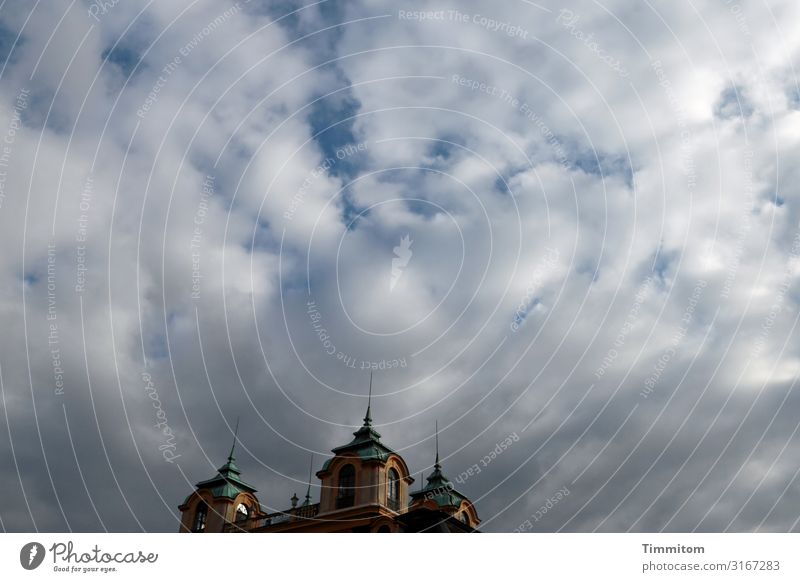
x,y
567,232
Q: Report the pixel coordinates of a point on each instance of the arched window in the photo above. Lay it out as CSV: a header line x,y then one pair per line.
x,y
393,489
464,517
200,515
242,513
347,487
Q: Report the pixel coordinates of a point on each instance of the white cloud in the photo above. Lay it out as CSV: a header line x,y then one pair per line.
x,y
542,146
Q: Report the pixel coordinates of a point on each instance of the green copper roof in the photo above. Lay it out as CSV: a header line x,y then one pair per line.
x,y
439,488
227,482
367,442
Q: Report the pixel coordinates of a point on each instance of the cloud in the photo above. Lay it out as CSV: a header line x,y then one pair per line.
x,y
603,261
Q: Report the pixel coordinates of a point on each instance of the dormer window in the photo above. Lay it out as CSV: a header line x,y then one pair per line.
x,y
393,489
200,515
347,487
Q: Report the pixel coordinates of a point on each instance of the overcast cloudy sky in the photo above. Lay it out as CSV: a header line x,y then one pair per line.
x,y
573,227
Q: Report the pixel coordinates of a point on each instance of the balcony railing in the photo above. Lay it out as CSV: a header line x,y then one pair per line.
x,y
263,521
307,511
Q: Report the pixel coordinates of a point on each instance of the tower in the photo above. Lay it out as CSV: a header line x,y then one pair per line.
x,y
439,496
224,498
364,481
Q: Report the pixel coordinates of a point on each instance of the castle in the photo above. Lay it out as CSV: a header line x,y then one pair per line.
x,y
365,487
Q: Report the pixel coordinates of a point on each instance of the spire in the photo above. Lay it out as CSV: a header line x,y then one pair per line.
x,y
437,476
227,482
367,440
368,417
230,466
308,491
437,465
233,446
438,487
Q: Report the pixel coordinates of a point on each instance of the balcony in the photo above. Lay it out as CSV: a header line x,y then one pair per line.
x,y
306,511
271,519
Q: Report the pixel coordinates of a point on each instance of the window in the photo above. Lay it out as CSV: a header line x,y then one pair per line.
x,y
393,490
200,515
464,517
347,487
242,513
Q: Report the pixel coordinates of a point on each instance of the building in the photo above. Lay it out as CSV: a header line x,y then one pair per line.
x,y
365,487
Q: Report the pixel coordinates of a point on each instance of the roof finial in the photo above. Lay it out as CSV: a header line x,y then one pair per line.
x,y
368,417
308,491
235,434
437,465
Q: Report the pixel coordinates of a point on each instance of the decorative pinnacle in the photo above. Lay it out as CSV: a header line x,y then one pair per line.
x,y
308,491
368,417
437,465
235,435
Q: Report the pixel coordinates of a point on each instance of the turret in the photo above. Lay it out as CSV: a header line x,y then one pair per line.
x,y
364,472
222,499
439,494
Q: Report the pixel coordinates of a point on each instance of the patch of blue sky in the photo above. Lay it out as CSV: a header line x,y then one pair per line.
x,y
661,264
9,50
793,95
523,313
124,57
441,150
332,120
351,213
590,268
263,239
602,164
43,112
733,103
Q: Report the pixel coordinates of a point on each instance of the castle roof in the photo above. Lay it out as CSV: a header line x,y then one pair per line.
x,y
227,482
439,488
366,444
